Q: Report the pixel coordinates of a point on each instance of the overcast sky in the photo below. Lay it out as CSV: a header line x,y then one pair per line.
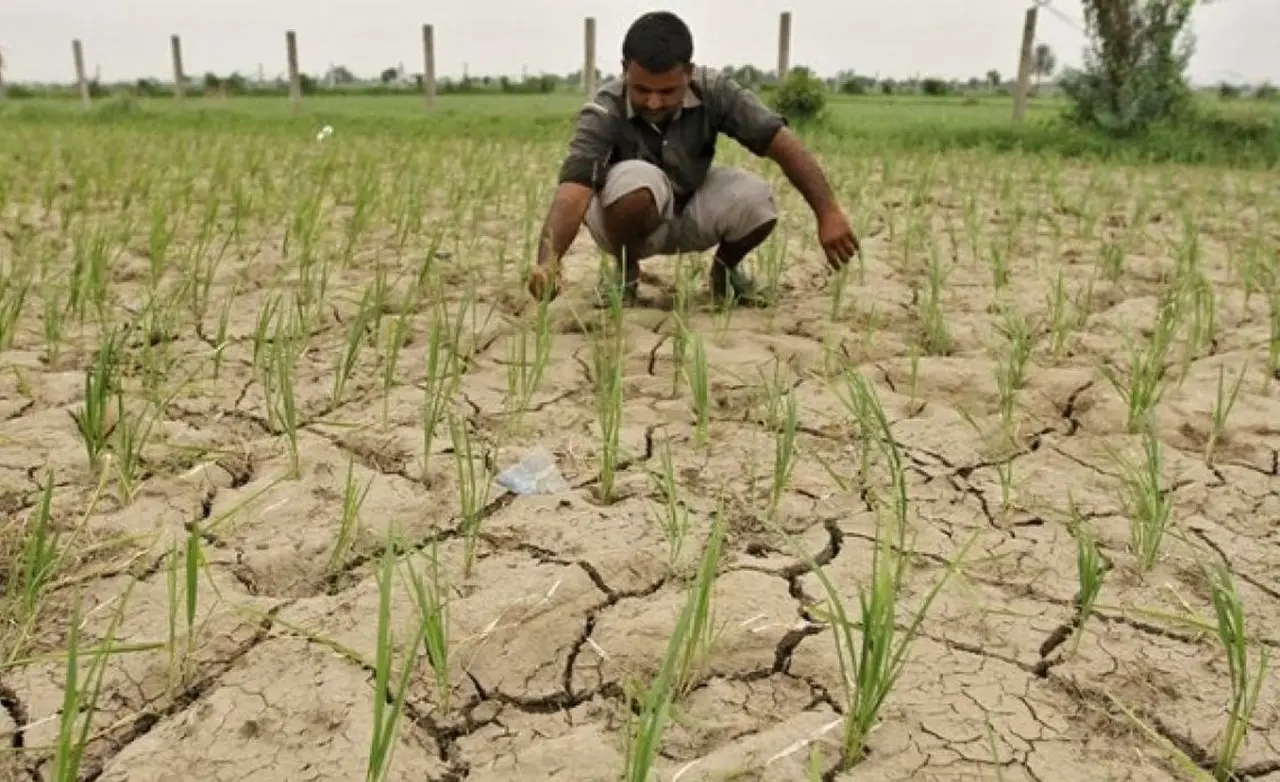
x,y
128,39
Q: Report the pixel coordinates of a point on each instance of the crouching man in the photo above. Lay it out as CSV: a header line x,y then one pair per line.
x,y
639,171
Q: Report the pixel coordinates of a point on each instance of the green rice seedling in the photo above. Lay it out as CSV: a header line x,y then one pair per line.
x,y
1189,767
132,432
700,388
52,323
870,665
396,337
1111,260
1063,319
1245,684
474,484
915,405
839,285
1204,319
1011,366
1253,263
45,549
193,561
1146,502
94,421
526,364
996,762
672,514
360,325
935,336
776,386
1223,402
261,337
80,696
784,454
431,597
443,377
702,630
608,362
366,203
1145,386
856,403
680,339
14,288
771,261
388,696
814,770
1000,272
1090,570
283,401
40,552
684,648
1004,473
353,497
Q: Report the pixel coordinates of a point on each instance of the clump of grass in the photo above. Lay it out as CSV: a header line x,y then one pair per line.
x,y
1145,385
672,514
1090,570
935,336
353,497
608,363
388,696
431,597
475,481
443,376
784,454
94,420
1245,684
1146,502
526,363
700,388
871,662
690,639
1223,403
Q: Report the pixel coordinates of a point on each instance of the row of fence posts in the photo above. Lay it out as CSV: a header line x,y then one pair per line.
x,y
1025,63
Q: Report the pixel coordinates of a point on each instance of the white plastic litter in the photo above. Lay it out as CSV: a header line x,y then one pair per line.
x,y
536,473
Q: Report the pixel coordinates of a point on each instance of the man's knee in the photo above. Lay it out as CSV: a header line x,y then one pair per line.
x,y
632,216
635,199
752,207
732,206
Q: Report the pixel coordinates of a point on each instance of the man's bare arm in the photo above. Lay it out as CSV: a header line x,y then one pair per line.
x,y
564,218
803,170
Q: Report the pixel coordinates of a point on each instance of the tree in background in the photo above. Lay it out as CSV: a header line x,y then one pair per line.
x,y
1044,63
801,96
1134,73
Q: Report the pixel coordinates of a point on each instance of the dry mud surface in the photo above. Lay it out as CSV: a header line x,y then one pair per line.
x,y
570,600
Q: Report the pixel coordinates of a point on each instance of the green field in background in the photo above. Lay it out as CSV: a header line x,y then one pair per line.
x,y
1237,133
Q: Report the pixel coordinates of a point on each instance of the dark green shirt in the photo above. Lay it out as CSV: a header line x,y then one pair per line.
x,y
609,131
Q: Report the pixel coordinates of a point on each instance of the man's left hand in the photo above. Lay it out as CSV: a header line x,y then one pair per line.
x,y
836,237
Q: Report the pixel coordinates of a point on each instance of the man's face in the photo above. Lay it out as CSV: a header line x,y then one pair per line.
x,y
656,96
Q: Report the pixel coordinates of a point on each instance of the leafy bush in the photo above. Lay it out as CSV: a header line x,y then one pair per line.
x,y
933,86
1134,71
801,96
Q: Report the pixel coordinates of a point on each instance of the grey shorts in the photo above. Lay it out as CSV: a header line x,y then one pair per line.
x,y
730,204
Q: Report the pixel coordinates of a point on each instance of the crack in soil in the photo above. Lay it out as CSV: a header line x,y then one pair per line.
x,y
143,723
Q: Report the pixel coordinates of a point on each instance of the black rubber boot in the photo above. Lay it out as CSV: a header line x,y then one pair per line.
x,y
730,285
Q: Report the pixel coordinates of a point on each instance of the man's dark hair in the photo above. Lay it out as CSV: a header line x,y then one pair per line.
x,y
658,42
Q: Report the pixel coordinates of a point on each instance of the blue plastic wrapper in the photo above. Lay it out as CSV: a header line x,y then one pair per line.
x,y
536,473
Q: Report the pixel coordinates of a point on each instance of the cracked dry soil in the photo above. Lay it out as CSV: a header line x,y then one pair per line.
x,y
570,599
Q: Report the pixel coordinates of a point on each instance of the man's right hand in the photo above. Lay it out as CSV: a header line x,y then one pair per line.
x,y
545,280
